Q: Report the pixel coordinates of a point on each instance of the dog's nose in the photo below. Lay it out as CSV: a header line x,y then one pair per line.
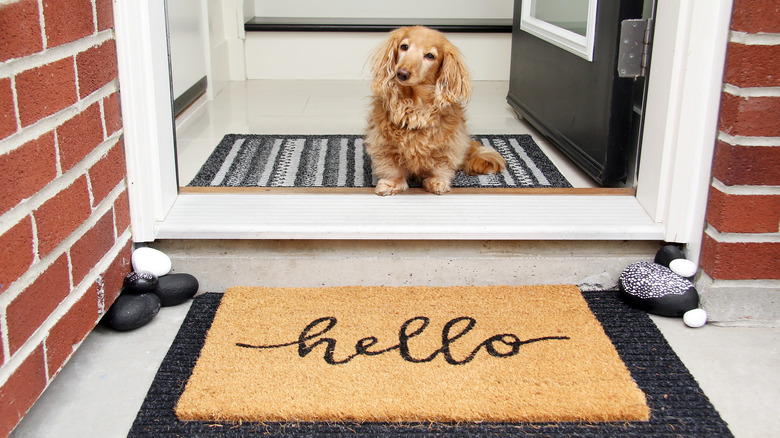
x,y
403,74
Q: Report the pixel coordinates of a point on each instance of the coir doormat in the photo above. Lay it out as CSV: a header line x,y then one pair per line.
x,y
678,407
247,160
454,354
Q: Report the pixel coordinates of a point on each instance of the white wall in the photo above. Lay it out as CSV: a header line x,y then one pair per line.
x,y
207,38
289,55
343,56
187,39
385,8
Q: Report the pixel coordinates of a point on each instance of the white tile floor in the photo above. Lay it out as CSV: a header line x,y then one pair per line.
x,y
327,107
100,390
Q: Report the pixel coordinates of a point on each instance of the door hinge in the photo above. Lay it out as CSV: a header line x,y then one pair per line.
x,y
634,48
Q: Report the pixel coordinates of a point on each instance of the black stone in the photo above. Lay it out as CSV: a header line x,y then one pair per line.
x,y
131,311
665,255
140,282
656,289
176,288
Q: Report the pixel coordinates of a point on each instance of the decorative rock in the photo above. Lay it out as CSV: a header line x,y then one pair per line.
x,y
665,255
176,288
131,311
695,318
656,289
140,282
683,267
151,260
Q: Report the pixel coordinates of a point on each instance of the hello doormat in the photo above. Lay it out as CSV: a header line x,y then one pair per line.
x,y
411,354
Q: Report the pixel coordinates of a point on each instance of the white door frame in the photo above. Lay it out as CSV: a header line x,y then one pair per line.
x,y
679,134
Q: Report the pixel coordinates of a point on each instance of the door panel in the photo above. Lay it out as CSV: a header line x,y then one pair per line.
x,y
581,105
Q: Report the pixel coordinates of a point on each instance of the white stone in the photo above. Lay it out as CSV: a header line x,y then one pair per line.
x,y
152,260
683,267
695,318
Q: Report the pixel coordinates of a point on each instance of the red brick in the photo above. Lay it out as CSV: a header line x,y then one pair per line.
x,y
21,390
754,16
30,309
16,255
58,217
112,114
121,213
92,247
747,165
7,109
743,213
45,90
78,136
105,14
97,67
107,173
750,116
753,65
740,261
20,30
113,277
71,329
26,170
67,20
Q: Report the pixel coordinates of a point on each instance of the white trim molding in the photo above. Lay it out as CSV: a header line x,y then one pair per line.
x,y
147,114
684,92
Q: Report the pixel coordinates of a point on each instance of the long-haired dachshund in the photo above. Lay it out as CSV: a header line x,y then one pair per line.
x,y
416,128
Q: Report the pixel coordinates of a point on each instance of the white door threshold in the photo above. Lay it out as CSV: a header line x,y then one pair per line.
x,y
409,216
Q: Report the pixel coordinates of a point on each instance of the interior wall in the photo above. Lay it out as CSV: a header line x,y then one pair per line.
x,y
385,9
343,56
187,39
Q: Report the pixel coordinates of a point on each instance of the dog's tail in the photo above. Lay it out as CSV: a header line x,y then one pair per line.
x,y
481,160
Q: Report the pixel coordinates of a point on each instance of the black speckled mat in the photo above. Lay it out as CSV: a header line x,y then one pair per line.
x,y
678,406
242,160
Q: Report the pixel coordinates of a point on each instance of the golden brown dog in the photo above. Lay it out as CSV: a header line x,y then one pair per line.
x,y
416,128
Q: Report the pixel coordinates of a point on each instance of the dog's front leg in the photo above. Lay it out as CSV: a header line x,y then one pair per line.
x,y
386,187
391,181
439,182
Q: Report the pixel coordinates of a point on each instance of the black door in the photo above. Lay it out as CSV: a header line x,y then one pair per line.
x,y
568,87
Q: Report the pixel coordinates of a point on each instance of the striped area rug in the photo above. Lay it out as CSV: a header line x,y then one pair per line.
x,y
340,161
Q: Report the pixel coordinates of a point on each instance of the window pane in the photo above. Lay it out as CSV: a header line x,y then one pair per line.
x,y
571,15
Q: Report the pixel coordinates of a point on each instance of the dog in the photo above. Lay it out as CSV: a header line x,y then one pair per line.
x,y
416,125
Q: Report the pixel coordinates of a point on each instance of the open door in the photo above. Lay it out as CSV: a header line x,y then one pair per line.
x,y
566,80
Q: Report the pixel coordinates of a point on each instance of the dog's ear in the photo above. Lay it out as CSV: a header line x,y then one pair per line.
x,y
383,63
453,85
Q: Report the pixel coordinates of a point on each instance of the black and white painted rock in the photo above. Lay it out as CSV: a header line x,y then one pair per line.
x,y
176,288
131,311
140,282
667,253
656,289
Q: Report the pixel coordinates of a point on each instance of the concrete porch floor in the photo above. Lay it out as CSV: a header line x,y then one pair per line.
x,y
99,391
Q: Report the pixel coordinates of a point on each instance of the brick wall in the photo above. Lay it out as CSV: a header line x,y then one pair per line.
x,y
741,245
64,219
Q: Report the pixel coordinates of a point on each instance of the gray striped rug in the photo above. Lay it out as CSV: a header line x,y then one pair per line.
x,y
340,161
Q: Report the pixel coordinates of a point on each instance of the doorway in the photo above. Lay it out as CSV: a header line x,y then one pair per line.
x,y
671,190
267,103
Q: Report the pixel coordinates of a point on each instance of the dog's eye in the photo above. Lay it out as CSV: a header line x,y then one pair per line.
x,y
429,56
404,47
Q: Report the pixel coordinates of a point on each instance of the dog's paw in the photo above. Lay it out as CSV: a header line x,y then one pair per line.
x,y
386,187
436,185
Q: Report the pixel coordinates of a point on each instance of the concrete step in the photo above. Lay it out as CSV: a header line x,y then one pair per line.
x,y
219,264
